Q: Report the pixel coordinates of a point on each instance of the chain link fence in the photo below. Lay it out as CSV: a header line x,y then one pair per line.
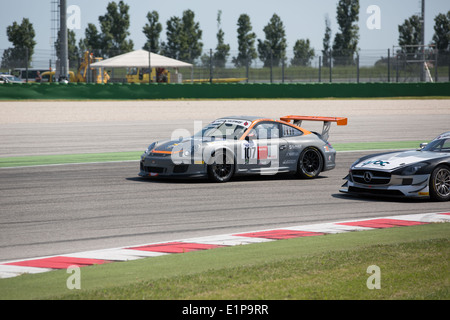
x,y
387,65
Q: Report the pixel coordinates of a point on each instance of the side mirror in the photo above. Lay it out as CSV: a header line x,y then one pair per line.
x,y
250,136
423,145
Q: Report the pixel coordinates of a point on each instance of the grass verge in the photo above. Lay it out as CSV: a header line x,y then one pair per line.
x,y
24,161
389,145
413,261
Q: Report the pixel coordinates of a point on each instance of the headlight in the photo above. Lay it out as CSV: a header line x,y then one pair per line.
x,y
150,147
355,163
192,150
412,169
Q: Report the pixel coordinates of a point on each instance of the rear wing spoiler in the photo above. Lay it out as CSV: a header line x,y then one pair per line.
x,y
326,122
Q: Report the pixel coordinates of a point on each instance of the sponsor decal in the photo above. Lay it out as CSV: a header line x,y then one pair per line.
x,y
263,152
292,154
377,162
244,123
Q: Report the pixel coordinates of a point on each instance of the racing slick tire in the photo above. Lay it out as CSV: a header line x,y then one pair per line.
x,y
440,183
222,167
310,163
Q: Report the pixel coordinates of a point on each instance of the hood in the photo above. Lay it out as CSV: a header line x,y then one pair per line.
x,y
394,160
184,144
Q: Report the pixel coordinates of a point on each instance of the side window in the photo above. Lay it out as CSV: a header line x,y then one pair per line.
x,y
446,146
289,131
267,130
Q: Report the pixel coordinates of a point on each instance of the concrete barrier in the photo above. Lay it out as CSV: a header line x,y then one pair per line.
x,y
126,91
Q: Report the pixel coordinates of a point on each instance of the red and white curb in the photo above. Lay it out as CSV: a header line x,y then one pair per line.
x,y
44,264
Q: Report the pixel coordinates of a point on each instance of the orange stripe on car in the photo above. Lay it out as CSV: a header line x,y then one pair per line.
x,y
305,132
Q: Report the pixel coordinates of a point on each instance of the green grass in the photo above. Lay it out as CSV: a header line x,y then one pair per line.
x,y
135,155
389,145
414,264
68,158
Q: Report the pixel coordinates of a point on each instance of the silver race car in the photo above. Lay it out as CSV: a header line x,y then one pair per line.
x,y
244,145
415,173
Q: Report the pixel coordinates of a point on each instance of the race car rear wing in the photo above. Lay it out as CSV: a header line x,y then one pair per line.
x,y
326,122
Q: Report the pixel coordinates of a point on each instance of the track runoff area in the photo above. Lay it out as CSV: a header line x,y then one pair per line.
x,y
96,257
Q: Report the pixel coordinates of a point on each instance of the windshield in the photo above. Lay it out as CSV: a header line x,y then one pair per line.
x,y
441,145
224,129
13,78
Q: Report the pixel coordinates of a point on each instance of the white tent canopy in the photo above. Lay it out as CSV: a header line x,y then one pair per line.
x,y
140,59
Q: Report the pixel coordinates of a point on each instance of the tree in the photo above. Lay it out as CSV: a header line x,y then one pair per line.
x,y
22,37
171,49
92,41
326,43
346,41
114,32
152,30
273,50
303,53
246,42
183,38
114,25
222,49
441,37
191,34
410,35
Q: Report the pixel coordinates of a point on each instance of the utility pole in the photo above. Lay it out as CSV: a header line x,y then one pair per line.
x,y
422,42
64,61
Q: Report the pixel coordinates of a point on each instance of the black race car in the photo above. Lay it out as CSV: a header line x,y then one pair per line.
x,y
415,173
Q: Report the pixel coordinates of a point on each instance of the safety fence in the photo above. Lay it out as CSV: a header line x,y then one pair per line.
x,y
369,65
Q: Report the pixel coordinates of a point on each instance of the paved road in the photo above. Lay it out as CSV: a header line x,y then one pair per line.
x,y
41,128
62,209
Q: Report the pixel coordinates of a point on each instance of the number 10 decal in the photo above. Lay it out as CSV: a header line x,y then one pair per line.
x,y
251,152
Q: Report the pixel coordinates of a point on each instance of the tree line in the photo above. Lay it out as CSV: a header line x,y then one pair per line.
x,y
183,39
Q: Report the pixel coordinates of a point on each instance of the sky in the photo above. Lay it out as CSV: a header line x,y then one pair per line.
x,y
302,19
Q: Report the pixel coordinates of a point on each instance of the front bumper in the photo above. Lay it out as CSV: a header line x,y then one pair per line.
x,y
163,166
416,186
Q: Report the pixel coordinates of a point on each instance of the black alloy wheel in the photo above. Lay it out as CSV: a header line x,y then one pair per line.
x,y
310,163
440,183
222,169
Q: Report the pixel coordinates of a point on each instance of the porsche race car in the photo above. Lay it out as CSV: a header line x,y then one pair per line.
x,y
424,172
244,145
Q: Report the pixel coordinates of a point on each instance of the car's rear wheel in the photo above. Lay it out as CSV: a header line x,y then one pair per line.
x,y
310,163
222,167
440,183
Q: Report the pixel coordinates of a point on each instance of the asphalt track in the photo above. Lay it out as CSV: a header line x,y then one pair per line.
x,y
49,210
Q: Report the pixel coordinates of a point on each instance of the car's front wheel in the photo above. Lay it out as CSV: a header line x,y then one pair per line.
x,y
310,163
222,167
440,183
